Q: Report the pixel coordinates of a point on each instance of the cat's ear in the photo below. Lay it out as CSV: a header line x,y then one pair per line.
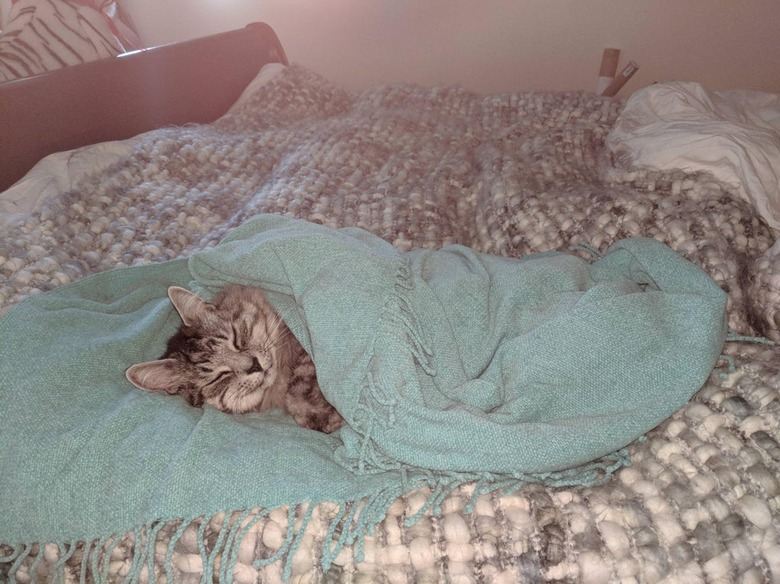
x,y
191,307
160,375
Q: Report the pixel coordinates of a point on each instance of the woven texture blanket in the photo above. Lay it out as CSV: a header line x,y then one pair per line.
x,y
422,168
506,174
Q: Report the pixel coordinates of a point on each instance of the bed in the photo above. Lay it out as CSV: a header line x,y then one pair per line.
x,y
208,135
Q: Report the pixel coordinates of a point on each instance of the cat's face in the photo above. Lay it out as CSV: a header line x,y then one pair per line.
x,y
227,354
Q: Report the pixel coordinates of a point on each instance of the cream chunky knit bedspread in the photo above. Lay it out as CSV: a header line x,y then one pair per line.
x,y
506,174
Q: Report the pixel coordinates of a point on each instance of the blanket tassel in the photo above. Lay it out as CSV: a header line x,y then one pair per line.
x,y
147,555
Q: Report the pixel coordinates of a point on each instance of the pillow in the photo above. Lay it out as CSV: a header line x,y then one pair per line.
x,y
43,35
733,135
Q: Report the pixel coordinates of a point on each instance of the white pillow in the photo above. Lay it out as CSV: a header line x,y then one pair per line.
x,y
735,135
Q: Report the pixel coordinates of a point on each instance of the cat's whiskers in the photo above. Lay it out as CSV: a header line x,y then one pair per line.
x,y
274,326
277,346
287,337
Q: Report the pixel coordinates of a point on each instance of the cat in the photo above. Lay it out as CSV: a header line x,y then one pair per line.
x,y
237,355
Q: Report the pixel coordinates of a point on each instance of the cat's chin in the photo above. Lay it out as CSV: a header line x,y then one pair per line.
x,y
250,402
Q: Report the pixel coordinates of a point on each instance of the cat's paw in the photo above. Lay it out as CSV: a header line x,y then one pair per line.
x,y
322,419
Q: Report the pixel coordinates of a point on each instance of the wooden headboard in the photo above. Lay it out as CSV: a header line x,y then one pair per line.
x,y
116,98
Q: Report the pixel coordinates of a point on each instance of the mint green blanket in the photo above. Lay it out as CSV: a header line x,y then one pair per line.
x,y
447,366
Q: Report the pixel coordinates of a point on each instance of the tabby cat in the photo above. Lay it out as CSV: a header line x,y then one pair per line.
x,y
237,355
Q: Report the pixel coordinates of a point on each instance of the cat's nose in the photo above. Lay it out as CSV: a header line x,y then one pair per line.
x,y
255,367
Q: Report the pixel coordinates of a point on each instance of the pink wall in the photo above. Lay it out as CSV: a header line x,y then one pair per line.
x,y
498,45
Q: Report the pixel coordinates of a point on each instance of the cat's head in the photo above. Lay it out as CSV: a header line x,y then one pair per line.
x,y
228,353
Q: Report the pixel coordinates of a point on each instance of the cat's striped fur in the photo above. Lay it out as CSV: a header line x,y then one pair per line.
x,y
237,355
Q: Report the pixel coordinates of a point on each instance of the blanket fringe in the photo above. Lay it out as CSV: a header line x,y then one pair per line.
x,y
593,253
725,366
734,337
378,402
148,554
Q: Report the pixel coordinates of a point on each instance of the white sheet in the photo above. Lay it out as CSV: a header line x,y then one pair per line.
x,y
62,171
735,135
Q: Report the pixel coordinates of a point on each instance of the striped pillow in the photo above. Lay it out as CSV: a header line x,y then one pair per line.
x,y
42,35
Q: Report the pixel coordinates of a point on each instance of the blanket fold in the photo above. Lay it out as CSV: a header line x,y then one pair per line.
x,y
445,363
